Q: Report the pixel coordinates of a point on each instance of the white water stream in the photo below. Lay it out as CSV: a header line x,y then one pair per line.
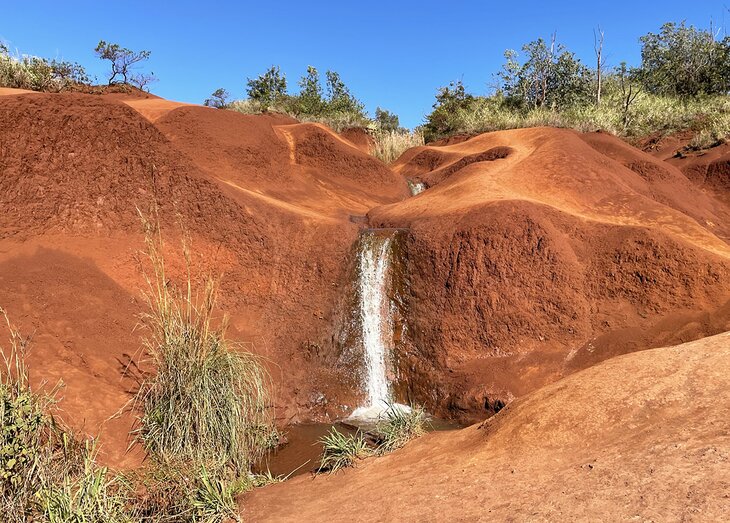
x,y
416,187
376,318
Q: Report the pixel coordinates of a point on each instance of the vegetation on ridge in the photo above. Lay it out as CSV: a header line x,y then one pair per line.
x,y
682,83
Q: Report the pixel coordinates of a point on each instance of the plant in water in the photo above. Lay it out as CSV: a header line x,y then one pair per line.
x,y
341,450
399,426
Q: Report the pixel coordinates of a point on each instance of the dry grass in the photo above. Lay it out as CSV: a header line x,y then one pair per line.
x,y
389,145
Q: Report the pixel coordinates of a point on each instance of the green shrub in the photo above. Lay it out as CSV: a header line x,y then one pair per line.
x,y
332,105
683,60
38,74
400,426
342,451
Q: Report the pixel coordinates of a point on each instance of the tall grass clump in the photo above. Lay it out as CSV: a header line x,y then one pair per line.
x,y
389,145
399,426
207,402
342,450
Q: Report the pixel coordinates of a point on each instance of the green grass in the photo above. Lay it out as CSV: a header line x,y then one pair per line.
x,y
342,450
399,426
94,494
208,401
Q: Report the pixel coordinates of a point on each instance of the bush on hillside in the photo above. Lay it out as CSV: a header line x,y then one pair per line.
x,y
386,121
550,76
268,89
123,62
218,99
38,74
682,60
332,104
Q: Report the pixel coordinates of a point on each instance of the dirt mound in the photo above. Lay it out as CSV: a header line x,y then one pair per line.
x,y
709,170
641,436
534,254
558,256
436,176
249,190
360,138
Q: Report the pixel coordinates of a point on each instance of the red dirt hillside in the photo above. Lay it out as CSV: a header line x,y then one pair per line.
x,y
271,204
638,437
537,252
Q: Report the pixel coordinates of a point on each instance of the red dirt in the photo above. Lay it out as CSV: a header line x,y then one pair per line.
x,y
529,267
639,437
534,254
270,203
360,138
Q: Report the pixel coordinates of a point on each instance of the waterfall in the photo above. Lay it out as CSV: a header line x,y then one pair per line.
x,y
376,319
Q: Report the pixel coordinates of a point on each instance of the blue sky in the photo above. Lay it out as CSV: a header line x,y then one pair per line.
x,y
390,53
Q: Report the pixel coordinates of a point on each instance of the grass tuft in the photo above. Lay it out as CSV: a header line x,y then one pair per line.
x,y
207,402
399,426
341,450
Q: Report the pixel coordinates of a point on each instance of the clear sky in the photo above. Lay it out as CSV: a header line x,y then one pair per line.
x,y
390,53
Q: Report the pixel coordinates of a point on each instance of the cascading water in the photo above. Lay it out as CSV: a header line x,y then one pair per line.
x,y
416,187
376,319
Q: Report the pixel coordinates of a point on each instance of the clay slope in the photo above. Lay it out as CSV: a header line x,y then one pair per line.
x,y
642,437
272,205
537,252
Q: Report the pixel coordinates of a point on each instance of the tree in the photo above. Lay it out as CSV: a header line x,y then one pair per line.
x,y
219,99
310,99
684,61
386,120
598,49
123,61
339,98
630,90
551,76
452,105
268,88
